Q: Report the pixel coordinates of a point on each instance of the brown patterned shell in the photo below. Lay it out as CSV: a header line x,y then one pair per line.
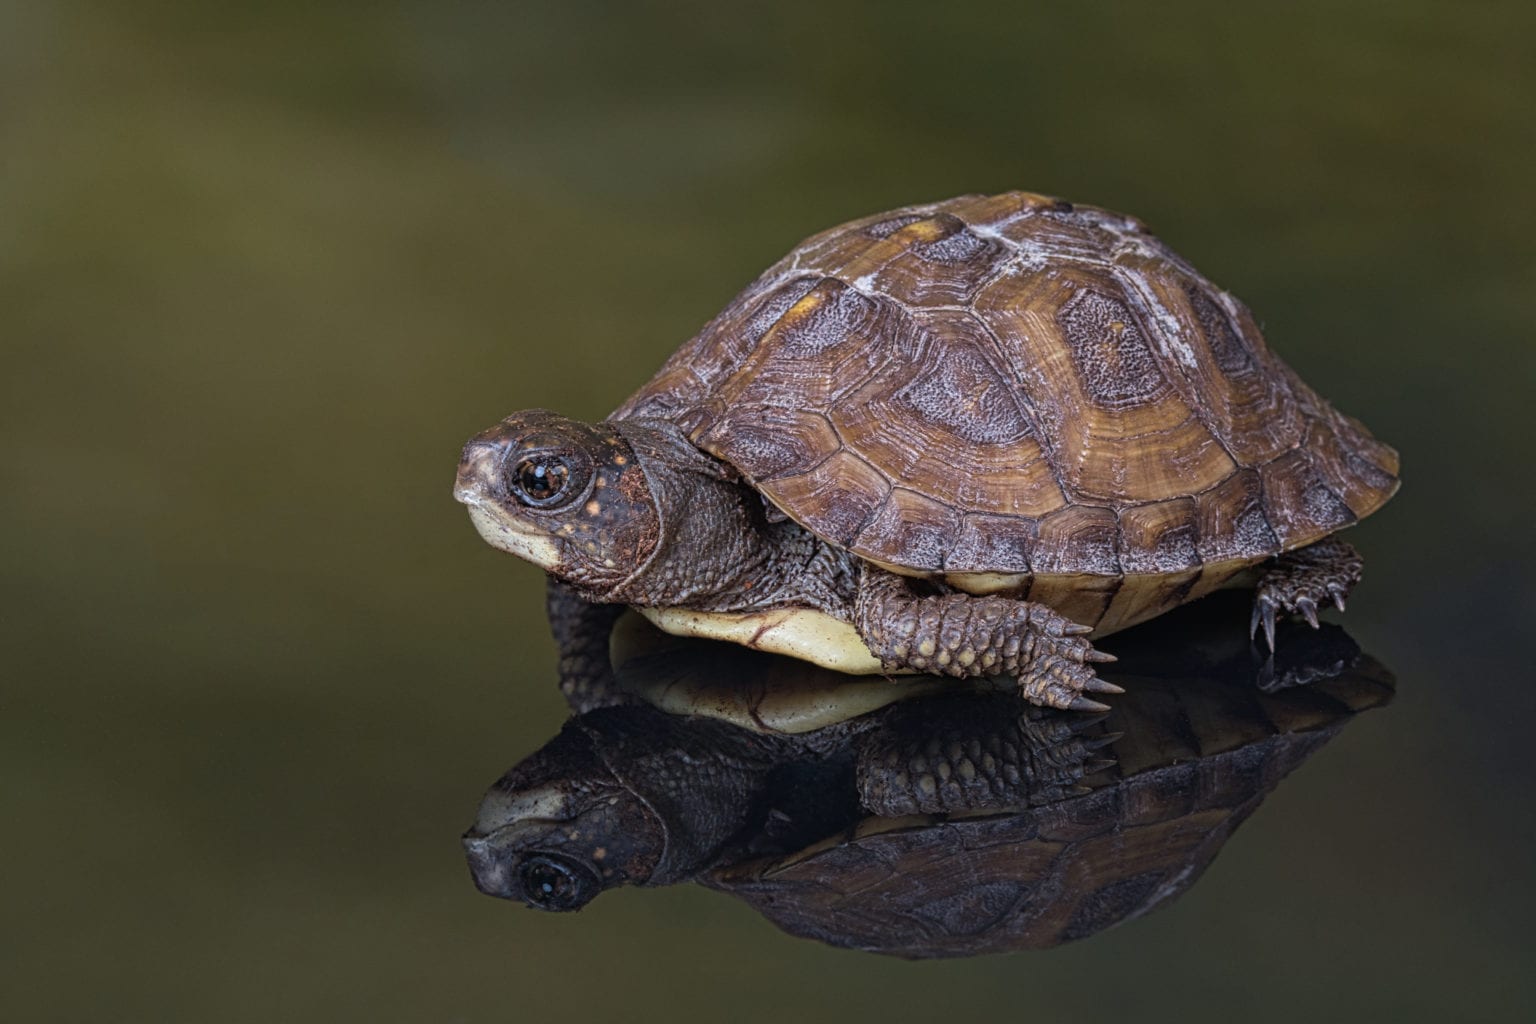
x,y
1016,385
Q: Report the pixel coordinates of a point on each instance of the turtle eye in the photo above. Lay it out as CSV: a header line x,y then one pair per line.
x,y
540,481
552,883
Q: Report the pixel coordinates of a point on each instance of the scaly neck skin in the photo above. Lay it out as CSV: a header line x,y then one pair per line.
x,y
717,551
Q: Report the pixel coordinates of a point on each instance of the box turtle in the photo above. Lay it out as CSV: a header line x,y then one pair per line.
x,y
959,438
960,820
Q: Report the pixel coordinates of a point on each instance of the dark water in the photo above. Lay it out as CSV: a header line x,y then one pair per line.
x,y
264,267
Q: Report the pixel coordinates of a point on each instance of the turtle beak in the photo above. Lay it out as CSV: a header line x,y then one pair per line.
x,y
478,467
491,857
491,873
478,486
510,822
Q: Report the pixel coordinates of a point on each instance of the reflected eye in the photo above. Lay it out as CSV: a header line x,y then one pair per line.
x,y
551,883
541,481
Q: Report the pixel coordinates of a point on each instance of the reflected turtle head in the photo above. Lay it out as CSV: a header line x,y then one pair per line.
x,y
559,828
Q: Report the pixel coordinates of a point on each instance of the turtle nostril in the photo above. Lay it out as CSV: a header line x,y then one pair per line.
x,y
478,451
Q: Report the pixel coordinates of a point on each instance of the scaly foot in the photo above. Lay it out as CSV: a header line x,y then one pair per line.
x,y
965,636
1301,581
1056,667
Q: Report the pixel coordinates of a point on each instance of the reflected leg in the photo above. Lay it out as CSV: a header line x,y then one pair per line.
x,y
975,753
581,631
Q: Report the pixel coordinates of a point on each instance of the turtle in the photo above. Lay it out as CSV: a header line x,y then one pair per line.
x,y
949,821
964,438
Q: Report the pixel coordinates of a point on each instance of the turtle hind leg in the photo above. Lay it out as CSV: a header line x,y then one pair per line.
x,y
965,636
1301,581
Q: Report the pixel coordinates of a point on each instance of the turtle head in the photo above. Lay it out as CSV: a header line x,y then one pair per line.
x,y
559,828
568,496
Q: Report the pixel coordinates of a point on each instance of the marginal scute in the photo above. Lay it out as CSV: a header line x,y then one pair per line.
x,y
1079,539
921,528
775,443
835,499
1160,537
1360,484
993,544
1051,388
1300,506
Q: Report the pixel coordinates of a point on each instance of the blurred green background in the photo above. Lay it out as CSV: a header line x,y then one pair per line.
x,y
265,266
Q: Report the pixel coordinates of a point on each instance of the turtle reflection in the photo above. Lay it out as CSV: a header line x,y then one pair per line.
x,y
936,821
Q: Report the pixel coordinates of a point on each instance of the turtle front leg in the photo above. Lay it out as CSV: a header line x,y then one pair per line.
x,y
581,629
964,635
1301,580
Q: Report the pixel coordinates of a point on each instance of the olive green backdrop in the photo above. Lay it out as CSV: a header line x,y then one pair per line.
x,y
264,266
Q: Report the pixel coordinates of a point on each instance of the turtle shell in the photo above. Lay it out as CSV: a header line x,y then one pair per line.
x,y
1009,389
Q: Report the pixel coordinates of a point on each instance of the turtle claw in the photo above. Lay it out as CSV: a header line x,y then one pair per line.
x,y
1098,764
1308,609
1263,614
1057,680
1100,742
1338,593
1082,723
1076,629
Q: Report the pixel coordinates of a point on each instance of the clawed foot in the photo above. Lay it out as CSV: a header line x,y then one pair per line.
x,y
1060,669
1064,750
965,636
1302,581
